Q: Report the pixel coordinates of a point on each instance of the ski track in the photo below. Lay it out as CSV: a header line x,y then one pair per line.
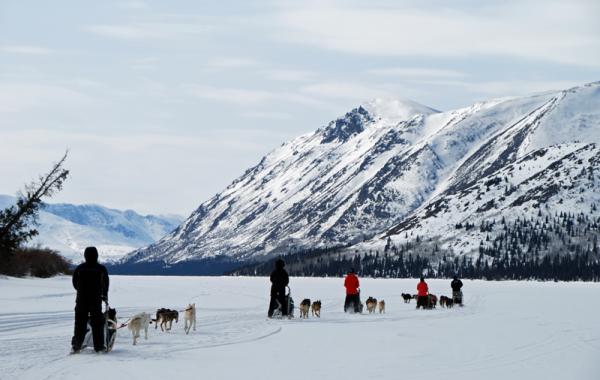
x,y
34,344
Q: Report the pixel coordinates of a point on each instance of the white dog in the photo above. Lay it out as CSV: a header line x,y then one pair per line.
x,y
137,323
189,318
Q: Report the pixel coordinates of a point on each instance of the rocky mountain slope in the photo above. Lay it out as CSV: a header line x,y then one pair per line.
x,y
400,169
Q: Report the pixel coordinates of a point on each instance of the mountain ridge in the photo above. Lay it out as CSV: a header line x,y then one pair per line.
x,y
364,173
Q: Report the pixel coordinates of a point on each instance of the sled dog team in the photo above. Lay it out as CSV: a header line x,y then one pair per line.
x,y
91,282
164,319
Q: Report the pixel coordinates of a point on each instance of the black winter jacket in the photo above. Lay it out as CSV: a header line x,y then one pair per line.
x,y
279,279
90,279
456,285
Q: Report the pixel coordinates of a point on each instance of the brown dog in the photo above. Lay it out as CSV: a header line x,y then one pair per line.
x,y
164,317
381,306
432,298
304,307
443,300
371,304
316,308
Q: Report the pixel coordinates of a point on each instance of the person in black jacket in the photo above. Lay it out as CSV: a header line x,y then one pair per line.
x,y
279,280
456,286
90,279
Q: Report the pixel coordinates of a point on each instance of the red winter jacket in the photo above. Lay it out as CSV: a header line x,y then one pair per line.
x,y
351,284
422,289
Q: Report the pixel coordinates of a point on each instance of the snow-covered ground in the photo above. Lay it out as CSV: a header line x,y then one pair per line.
x,y
507,330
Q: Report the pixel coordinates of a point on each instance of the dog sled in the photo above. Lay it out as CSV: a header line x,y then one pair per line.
x,y
349,305
277,314
110,331
457,297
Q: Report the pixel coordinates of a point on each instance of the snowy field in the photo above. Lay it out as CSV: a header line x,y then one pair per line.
x,y
507,330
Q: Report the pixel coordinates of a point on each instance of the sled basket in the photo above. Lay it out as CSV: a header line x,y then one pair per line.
x,y
290,304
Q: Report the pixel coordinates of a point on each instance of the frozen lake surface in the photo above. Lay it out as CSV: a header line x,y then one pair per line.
x,y
507,330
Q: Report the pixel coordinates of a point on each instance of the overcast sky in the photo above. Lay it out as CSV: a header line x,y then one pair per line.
x,y
163,104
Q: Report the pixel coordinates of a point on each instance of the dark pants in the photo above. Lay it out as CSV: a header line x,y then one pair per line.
x,y
352,300
93,313
278,297
423,301
457,296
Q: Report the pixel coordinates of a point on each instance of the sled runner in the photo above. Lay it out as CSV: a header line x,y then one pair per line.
x,y
290,304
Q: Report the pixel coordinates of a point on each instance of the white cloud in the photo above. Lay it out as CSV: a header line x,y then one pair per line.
x,y
238,96
232,63
548,30
149,30
245,97
267,115
15,98
25,49
289,75
133,5
415,72
345,90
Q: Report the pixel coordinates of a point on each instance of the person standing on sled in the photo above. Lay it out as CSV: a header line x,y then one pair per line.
x,y
90,279
456,286
352,291
422,294
279,280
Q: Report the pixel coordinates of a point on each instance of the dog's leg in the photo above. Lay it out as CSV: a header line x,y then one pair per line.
x,y
194,320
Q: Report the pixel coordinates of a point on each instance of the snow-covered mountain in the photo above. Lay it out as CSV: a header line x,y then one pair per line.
x,y
402,168
69,228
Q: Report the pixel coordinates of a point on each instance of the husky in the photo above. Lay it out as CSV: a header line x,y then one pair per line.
x,y
432,301
381,306
371,304
165,317
138,323
189,317
316,308
304,307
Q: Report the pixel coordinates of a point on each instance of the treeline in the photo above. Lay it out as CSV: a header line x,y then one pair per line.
x,y
36,262
561,247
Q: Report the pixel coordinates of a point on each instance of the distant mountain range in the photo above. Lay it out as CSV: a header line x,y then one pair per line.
x,y
69,228
399,170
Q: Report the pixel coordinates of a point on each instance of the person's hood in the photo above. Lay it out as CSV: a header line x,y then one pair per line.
x,y
91,255
279,264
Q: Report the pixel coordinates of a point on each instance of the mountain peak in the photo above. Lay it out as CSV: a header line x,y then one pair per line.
x,y
396,109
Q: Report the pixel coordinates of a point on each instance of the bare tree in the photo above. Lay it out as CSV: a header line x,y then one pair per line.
x,y
15,221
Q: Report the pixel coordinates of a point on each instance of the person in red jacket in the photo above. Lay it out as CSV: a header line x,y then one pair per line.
x,y
352,292
422,294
